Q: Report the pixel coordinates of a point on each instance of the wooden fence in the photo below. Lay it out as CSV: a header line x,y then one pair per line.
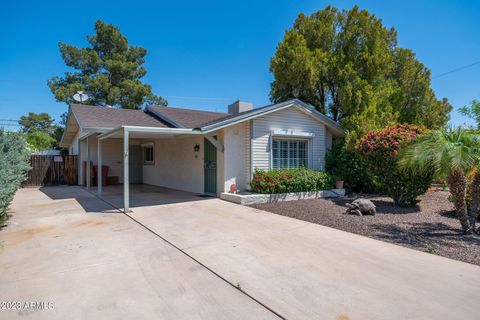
x,y
52,170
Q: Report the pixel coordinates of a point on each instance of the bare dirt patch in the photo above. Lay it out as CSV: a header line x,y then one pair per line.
x,y
431,226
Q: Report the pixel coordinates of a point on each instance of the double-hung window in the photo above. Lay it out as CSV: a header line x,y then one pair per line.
x,y
289,153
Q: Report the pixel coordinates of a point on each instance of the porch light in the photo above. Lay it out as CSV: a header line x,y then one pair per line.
x,y
196,148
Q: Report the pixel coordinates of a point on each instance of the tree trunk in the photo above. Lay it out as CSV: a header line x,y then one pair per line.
x,y
474,206
457,182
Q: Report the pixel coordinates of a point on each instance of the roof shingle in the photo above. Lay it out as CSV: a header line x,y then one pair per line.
x,y
104,117
188,118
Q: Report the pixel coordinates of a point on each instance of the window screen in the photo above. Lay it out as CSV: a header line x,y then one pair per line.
x,y
287,153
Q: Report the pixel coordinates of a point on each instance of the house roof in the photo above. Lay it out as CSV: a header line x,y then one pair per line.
x,y
103,117
232,119
186,118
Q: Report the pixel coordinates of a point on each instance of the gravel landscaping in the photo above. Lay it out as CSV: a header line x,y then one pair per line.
x,y
431,226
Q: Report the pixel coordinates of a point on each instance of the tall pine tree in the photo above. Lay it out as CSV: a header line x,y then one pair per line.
x,y
109,71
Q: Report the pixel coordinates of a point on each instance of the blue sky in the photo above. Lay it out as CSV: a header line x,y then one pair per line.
x,y
206,54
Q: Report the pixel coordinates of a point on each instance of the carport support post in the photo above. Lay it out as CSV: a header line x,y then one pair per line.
x,y
87,167
126,179
99,168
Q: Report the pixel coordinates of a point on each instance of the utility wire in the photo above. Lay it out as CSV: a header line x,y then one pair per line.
x,y
198,98
457,69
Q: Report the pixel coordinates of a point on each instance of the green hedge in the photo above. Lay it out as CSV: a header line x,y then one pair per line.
x,y
14,163
343,163
290,180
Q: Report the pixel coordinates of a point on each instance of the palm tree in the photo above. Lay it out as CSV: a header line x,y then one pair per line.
x,y
452,154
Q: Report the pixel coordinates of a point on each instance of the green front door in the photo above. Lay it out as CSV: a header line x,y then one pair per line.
x,y
209,168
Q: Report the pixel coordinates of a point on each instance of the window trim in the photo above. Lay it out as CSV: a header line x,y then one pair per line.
x,y
146,146
307,139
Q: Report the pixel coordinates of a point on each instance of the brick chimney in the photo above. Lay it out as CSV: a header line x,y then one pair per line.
x,y
239,106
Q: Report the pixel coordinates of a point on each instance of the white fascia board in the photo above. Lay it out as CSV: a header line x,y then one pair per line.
x,y
107,134
76,118
97,129
80,128
161,130
172,131
65,129
86,135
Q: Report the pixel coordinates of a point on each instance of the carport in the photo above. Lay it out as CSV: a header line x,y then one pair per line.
x,y
146,134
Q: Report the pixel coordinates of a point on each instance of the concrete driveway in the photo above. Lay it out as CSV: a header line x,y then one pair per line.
x,y
66,247
106,265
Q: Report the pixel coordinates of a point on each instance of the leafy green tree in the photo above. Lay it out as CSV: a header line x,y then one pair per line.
x,y
37,122
349,66
41,130
412,99
38,140
472,111
453,154
110,71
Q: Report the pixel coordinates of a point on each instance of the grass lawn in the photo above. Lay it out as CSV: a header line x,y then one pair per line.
x,y
431,226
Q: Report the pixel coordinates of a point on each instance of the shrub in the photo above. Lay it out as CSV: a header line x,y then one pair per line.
x,y
14,157
343,163
379,152
289,180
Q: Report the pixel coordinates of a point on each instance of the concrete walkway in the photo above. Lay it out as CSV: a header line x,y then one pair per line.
x,y
104,265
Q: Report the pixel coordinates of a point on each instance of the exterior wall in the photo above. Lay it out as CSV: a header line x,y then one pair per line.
x,y
73,149
112,156
247,168
289,119
235,157
177,165
221,162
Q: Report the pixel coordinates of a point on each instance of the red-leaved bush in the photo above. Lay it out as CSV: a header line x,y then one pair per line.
x,y
379,151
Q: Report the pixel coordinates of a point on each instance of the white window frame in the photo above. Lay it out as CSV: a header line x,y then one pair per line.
x,y
291,138
146,146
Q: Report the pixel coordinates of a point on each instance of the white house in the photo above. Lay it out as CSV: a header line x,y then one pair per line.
x,y
197,151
